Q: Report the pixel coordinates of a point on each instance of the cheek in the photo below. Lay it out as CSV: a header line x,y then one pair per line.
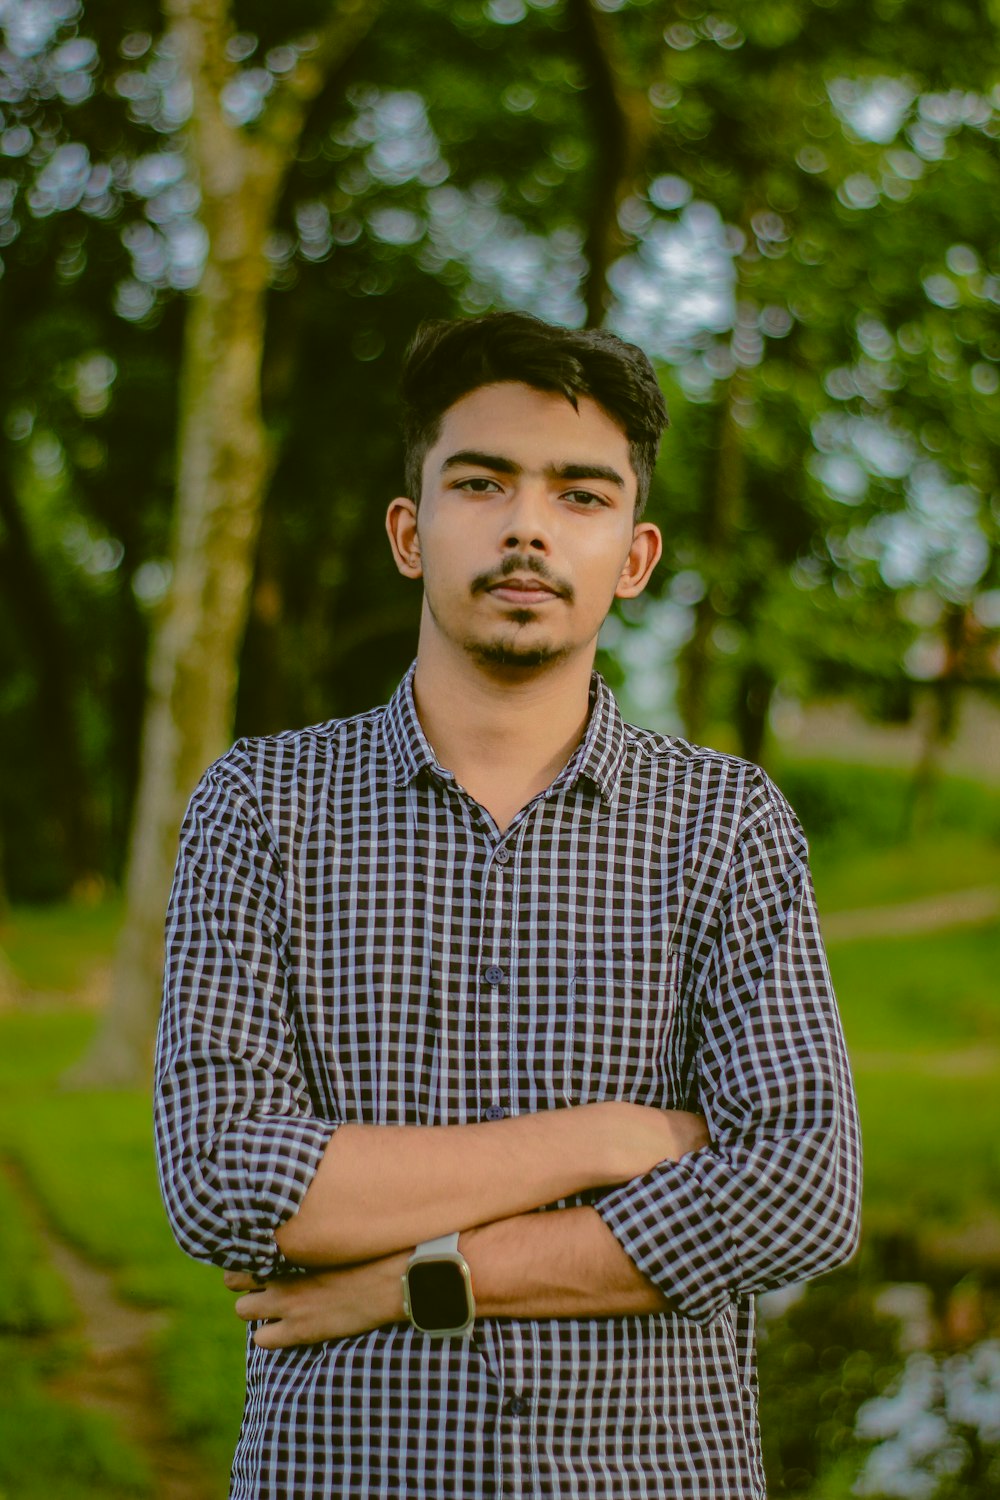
x,y
600,573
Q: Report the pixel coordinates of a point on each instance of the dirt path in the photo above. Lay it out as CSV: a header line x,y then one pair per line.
x,y
930,914
115,1376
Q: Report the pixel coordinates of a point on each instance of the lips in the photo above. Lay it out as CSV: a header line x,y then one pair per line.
x,y
522,590
522,586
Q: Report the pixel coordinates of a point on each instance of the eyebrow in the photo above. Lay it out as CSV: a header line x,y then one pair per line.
x,y
470,457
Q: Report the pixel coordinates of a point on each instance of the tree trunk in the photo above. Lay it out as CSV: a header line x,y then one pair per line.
x,y
223,467
623,128
942,717
753,704
724,502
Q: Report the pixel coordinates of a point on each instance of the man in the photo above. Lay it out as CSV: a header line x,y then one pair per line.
x,y
487,951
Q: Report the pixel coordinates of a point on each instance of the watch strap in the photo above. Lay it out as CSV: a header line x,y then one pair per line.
x,y
445,1244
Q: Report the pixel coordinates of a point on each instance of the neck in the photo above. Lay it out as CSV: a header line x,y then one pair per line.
x,y
505,733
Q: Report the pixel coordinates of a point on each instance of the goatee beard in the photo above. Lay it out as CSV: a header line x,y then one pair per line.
x,y
506,654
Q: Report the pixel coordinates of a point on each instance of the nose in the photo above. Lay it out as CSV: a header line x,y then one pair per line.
x,y
526,520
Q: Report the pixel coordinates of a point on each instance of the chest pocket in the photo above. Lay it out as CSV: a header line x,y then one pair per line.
x,y
621,1007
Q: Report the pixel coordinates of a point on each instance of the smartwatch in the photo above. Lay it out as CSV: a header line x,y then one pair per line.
x,y
437,1289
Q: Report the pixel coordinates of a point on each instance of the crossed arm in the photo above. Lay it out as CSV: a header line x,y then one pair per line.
x,y
381,1189
773,1199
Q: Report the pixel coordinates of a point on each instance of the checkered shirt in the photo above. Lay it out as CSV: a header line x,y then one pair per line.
x,y
350,938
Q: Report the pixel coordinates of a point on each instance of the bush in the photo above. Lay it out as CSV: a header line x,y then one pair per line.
x,y
862,806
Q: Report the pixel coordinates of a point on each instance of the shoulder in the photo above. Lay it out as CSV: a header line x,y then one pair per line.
x,y
284,773
700,785
673,765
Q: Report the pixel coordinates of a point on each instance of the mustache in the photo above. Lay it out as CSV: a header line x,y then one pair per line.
x,y
522,564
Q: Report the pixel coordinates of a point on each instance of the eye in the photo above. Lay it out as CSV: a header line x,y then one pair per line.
x,y
477,484
585,498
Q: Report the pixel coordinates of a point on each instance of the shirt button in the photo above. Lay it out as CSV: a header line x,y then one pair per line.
x,y
494,974
495,1112
516,1406
502,855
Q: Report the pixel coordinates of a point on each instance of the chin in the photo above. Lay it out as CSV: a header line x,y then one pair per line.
x,y
510,654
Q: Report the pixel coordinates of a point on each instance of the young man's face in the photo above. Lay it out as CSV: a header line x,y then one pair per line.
x,y
525,529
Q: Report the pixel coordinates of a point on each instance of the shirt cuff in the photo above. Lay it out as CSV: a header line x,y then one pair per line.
x,y
666,1224
262,1169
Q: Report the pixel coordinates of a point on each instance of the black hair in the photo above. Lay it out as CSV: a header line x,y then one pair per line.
x,y
447,360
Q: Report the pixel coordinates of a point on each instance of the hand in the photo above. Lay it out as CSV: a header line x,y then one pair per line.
x,y
321,1304
637,1136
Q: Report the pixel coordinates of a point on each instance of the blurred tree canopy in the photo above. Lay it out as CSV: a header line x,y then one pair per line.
x,y
793,205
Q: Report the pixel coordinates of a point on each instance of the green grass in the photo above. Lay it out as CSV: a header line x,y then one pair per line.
x,y
51,1451
918,994
932,1152
952,860
932,1162
89,1157
57,947
33,1300
38,1045
922,1021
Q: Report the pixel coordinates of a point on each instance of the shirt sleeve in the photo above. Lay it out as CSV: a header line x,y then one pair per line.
x,y
237,1138
775,1198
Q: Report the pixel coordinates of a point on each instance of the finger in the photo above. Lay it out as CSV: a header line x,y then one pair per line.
x,y
242,1281
282,1334
255,1305
274,1335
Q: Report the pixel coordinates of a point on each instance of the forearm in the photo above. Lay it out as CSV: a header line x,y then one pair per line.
x,y
379,1189
563,1264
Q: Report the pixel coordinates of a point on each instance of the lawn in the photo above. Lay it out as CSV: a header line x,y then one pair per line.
x,y
920,1014
90,1162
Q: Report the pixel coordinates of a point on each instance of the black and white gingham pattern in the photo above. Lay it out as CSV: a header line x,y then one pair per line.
x,y
350,939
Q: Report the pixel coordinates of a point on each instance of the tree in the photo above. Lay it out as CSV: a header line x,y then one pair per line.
x,y
816,287
223,464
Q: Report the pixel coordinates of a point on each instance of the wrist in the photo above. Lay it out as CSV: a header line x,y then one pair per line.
x,y
476,1245
438,1296
391,1298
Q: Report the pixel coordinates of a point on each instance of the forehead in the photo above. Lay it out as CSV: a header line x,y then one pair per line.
x,y
534,428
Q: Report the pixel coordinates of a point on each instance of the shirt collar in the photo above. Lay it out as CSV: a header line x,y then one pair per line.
x,y
598,758
408,747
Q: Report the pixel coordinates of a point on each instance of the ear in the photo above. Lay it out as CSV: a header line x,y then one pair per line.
x,y
401,524
643,555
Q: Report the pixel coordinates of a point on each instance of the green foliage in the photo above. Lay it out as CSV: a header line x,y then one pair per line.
x,y
840,161
58,1139
859,806
818,1362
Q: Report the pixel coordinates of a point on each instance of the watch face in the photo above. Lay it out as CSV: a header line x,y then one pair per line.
x,y
438,1296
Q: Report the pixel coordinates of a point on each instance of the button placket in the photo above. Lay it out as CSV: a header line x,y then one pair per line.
x,y
493,988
